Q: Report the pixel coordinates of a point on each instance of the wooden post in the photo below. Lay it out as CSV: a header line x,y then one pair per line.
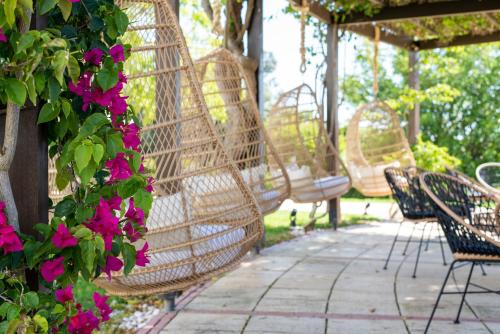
x,y
332,91
255,47
414,82
175,6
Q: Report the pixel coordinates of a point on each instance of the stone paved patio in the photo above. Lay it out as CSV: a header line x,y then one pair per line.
x,y
333,282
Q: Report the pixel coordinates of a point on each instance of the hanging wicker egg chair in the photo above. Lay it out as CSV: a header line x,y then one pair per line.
x,y
374,142
231,102
192,235
296,127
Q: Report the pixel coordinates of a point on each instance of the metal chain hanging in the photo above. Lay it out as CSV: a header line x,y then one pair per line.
x,y
304,11
375,61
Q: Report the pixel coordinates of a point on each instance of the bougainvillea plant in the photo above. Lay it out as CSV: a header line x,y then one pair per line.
x,y
73,70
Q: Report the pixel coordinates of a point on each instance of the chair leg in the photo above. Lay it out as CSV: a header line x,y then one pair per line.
x,y
418,253
429,238
392,247
441,245
457,320
439,297
482,269
409,239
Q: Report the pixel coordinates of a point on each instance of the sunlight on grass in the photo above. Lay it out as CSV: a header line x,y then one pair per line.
x,y
277,224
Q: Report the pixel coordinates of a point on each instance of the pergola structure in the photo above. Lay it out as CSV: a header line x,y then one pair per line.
x,y
412,25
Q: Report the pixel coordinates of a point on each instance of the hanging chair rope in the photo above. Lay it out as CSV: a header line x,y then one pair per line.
x,y
375,61
216,22
304,11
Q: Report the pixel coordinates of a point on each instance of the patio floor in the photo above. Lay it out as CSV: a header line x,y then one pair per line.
x,y
333,282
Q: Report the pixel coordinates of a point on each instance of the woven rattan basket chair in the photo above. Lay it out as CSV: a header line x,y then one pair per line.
x,y
488,174
414,205
231,102
470,219
181,148
297,130
375,141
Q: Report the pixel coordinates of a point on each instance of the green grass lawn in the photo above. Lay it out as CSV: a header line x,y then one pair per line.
x,y
277,224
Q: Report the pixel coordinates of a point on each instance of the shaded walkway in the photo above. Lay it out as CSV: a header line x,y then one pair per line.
x,y
332,282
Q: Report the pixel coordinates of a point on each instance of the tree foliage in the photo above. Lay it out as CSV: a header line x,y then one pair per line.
x,y
458,96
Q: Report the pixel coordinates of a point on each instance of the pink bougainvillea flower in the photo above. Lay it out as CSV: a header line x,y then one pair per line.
x,y
102,306
105,223
119,168
84,89
131,138
9,240
63,238
93,56
149,187
65,295
118,105
112,264
3,37
132,233
83,323
135,214
52,269
117,53
141,259
115,202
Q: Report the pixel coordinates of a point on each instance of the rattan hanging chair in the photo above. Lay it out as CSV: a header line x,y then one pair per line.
x,y
193,232
296,127
374,142
231,102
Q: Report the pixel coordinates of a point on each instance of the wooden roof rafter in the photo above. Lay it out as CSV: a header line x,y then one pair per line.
x,y
427,18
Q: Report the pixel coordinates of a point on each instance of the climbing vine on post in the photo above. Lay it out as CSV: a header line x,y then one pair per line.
x,y
73,71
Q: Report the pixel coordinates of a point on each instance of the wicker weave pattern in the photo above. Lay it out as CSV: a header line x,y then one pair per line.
x,y
204,218
231,102
488,174
466,213
296,127
375,141
406,190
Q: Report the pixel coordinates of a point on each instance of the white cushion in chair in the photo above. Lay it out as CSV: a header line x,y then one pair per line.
x,y
330,187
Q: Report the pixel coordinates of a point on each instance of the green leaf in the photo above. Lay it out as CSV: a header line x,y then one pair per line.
x,y
45,6
121,21
107,77
62,179
13,325
40,82
96,23
41,323
13,312
16,91
73,66
129,187
28,4
129,254
58,309
65,7
114,144
9,7
54,89
83,233
99,244
30,84
87,248
83,154
143,199
93,123
44,229
30,299
87,173
64,208
47,113
98,152
25,41
59,64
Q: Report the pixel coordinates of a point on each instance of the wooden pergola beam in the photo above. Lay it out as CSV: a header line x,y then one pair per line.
x,y
368,31
429,10
316,9
457,41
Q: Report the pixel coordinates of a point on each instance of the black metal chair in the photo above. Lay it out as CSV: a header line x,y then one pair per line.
x,y
414,205
470,219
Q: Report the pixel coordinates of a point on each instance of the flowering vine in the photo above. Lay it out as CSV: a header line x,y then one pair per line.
x,y
74,71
